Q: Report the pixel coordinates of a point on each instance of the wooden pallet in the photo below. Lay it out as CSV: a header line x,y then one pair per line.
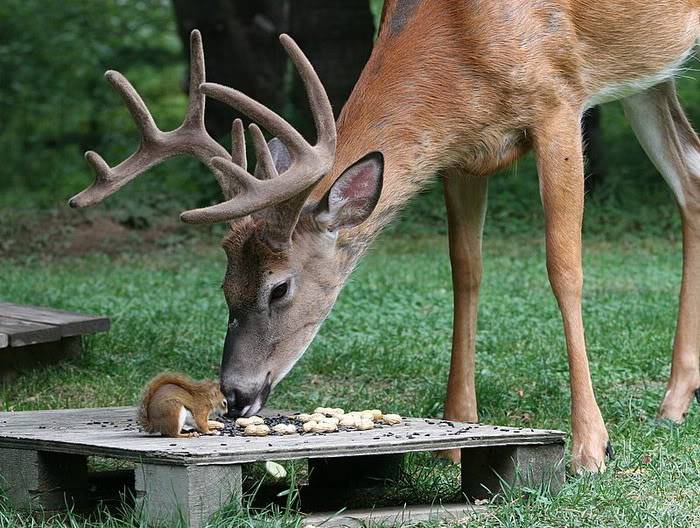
x,y
30,335
43,460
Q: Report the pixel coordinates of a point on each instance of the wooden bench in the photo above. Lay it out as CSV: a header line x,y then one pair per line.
x,y
43,460
31,335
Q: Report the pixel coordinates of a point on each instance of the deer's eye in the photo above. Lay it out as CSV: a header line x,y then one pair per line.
x,y
279,291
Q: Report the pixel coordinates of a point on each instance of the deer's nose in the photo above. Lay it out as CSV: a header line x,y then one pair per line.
x,y
239,402
231,407
246,403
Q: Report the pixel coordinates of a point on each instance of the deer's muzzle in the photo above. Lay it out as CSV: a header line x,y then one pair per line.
x,y
245,382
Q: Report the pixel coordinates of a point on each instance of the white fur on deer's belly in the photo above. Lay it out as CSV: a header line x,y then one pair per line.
x,y
616,91
186,420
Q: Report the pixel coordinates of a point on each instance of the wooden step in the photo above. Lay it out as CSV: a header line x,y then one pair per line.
x,y
22,325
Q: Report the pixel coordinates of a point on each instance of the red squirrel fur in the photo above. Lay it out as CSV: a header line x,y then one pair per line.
x,y
172,400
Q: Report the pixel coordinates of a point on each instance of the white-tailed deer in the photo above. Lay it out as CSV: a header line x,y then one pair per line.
x,y
462,88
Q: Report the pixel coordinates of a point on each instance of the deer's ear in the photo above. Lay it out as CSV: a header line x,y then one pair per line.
x,y
280,156
354,195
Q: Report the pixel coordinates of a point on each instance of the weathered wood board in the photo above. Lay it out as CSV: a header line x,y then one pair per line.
x,y
454,514
68,323
23,333
112,432
31,336
194,492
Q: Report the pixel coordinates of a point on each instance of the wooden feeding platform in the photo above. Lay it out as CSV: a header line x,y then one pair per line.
x,y
43,460
32,335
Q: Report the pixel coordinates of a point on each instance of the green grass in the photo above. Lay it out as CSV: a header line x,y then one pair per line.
x,y
387,344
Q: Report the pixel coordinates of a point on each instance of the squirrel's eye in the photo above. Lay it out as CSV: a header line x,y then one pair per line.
x,y
279,291
224,403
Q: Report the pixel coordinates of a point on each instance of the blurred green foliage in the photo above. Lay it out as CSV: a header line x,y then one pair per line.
x,y
55,104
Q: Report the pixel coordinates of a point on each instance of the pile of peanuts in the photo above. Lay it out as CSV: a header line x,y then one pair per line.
x,y
322,420
253,426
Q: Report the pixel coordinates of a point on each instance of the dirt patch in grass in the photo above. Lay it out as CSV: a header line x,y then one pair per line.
x,y
66,233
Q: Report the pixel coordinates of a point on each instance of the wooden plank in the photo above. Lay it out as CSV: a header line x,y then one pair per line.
x,y
186,495
21,333
71,324
401,516
112,432
487,470
4,340
48,480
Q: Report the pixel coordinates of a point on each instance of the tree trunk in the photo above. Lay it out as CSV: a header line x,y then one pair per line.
x,y
242,50
337,37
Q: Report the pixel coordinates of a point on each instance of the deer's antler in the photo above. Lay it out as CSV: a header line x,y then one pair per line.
x,y
156,145
280,197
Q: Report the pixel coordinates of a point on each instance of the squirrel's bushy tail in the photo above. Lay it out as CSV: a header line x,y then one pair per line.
x,y
142,418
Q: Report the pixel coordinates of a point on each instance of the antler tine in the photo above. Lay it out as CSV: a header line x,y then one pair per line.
x,y
255,196
190,138
265,167
235,169
241,176
137,108
319,103
238,157
238,154
109,180
195,107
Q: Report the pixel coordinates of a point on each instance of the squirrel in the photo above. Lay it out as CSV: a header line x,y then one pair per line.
x,y
172,401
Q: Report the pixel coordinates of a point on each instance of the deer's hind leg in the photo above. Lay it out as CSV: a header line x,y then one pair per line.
x,y
671,144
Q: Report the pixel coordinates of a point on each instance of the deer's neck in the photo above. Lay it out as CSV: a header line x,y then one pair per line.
x,y
409,105
411,160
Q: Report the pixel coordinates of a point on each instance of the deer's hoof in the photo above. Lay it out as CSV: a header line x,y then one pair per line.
x,y
590,451
677,402
609,451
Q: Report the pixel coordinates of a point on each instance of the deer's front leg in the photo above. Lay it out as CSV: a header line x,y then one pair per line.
x,y
557,143
465,199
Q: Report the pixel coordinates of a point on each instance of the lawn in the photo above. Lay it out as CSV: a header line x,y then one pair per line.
x,y
387,344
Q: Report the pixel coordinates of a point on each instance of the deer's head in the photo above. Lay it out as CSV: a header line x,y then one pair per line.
x,y
284,268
